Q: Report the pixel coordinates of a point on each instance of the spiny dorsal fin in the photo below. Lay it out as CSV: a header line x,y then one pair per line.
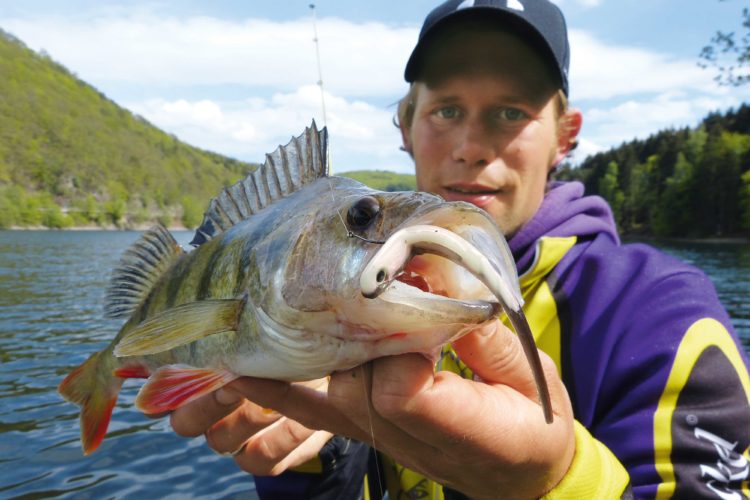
x,y
286,170
140,268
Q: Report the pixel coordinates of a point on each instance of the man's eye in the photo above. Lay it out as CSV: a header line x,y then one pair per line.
x,y
447,113
510,114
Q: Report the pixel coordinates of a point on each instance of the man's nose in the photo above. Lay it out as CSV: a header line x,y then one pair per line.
x,y
474,146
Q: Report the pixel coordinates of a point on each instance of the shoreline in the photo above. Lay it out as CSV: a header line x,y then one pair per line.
x,y
139,227
714,240
631,238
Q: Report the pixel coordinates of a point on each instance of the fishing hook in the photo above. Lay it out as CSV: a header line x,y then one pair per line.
x,y
349,232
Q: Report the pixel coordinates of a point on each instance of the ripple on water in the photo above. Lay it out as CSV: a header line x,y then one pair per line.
x,y
52,287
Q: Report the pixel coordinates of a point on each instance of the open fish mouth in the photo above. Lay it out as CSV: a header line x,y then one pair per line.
x,y
430,275
422,259
440,254
395,266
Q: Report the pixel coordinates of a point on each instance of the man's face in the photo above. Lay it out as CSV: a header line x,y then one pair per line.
x,y
485,127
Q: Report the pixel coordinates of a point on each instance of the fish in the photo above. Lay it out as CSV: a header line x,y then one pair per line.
x,y
278,286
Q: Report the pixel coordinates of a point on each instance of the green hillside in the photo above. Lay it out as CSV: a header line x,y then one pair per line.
x,y
383,180
70,156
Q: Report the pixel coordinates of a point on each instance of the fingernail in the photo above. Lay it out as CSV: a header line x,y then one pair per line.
x,y
227,397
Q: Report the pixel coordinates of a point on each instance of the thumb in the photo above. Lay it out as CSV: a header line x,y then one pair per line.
x,y
495,354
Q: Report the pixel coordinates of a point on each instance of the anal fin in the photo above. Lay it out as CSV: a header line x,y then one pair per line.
x,y
175,385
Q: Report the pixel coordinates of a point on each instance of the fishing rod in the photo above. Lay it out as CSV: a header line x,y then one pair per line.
x,y
317,57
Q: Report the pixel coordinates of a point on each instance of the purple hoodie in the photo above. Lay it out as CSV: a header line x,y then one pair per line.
x,y
647,352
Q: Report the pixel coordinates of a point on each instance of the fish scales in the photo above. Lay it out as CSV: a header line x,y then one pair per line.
x,y
273,289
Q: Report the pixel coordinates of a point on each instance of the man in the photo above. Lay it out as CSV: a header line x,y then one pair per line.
x,y
649,386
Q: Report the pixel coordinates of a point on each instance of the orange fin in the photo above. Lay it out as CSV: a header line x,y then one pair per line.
x,y
92,387
95,417
175,385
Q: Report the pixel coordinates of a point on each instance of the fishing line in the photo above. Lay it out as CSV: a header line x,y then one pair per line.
x,y
372,429
351,234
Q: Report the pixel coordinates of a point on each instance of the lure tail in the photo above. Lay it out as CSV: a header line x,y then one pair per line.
x,y
94,387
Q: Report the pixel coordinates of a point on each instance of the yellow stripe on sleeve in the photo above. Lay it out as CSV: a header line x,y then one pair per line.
x,y
594,473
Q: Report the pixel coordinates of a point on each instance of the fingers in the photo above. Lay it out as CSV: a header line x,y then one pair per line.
x,y
304,404
194,418
228,434
350,392
414,405
495,355
261,441
422,404
283,445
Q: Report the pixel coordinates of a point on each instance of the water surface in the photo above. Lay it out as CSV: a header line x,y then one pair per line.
x,y
51,293
52,288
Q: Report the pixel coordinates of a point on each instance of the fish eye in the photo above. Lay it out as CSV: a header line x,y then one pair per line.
x,y
362,213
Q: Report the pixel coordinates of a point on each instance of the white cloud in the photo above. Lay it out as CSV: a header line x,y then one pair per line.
x,y
362,135
602,71
630,92
607,126
625,91
145,49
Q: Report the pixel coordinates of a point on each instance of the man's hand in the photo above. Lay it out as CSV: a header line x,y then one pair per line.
x,y
262,442
484,437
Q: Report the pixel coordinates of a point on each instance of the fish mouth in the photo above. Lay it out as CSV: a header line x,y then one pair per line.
x,y
432,272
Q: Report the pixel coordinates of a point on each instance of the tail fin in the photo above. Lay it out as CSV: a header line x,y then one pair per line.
x,y
94,388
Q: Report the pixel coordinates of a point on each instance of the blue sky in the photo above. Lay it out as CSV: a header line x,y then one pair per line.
x,y
239,76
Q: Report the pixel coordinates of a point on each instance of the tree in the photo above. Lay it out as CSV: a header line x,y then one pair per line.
x,y
675,210
729,53
745,200
642,196
609,189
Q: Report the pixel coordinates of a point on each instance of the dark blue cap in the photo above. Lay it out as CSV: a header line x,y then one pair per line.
x,y
540,19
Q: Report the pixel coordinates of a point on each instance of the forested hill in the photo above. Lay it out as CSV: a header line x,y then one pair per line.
x,y
691,182
70,156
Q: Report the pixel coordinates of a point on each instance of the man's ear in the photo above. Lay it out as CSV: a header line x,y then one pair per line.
x,y
567,136
405,139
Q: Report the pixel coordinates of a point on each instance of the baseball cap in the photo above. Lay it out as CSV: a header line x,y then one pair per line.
x,y
540,19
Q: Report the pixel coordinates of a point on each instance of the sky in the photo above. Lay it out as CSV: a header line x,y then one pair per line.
x,y
240,77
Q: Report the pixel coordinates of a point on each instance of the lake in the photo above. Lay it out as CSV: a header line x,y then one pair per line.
x,y
51,293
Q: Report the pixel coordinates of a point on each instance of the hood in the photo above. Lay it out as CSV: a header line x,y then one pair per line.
x,y
564,212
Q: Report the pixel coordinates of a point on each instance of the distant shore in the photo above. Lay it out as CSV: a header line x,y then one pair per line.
x,y
627,238
731,240
138,227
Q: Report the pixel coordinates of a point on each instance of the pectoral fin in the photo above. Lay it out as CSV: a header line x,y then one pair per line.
x,y
173,386
180,325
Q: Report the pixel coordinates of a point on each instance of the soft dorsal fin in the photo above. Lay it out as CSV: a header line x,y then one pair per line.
x,y
286,170
140,268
